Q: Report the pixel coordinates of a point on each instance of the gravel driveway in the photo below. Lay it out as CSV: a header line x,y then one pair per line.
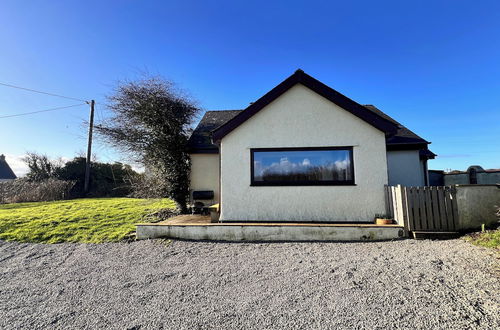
x,y
186,285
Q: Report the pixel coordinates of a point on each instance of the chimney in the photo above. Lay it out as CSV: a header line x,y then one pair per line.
x,y
2,158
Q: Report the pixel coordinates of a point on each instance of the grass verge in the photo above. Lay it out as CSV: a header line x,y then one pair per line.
x,y
488,238
90,220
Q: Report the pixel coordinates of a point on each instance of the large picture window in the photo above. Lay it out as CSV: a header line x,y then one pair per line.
x,y
302,166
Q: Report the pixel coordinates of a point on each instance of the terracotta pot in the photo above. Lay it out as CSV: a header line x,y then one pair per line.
x,y
379,221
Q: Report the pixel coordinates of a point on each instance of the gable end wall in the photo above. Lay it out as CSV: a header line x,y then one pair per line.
x,y
302,118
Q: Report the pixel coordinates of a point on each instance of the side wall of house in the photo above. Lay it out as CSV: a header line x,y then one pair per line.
x,y
205,173
302,118
405,168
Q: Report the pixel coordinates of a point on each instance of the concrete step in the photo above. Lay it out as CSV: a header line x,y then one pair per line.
x,y
270,232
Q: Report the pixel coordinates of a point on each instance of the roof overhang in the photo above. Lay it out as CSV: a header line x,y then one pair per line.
x,y
423,149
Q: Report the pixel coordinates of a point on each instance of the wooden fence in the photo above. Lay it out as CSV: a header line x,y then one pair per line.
x,y
423,209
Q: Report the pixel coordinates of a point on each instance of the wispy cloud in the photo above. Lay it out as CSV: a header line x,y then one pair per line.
x,y
454,156
16,164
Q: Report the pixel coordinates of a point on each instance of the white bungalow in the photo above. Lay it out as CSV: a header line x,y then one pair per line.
x,y
303,152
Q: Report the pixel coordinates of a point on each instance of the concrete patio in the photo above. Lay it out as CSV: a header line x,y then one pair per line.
x,y
199,227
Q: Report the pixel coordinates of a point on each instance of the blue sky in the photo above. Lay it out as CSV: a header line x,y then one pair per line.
x,y
432,65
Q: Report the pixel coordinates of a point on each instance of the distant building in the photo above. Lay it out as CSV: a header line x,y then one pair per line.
x,y
6,173
474,175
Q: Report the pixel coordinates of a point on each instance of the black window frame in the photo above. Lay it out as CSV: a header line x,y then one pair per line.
x,y
254,183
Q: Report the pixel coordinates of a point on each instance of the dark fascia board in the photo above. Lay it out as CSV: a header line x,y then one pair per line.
x,y
300,77
425,153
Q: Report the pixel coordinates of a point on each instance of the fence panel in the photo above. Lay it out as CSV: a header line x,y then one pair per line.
x,y
442,207
431,209
435,208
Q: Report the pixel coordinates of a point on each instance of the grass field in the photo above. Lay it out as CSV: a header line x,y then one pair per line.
x,y
91,220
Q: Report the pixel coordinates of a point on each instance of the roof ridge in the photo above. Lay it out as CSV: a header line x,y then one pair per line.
x,y
300,77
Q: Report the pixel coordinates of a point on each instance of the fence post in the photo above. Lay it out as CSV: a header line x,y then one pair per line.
x,y
386,195
402,205
389,200
454,207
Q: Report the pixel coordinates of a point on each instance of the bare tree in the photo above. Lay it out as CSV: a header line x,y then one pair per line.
x,y
151,122
40,166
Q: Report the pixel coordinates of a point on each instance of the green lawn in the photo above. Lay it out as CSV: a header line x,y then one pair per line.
x,y
91,220
489,238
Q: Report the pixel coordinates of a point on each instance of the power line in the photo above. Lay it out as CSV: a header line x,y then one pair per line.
x,y
46,93
46,110
91,122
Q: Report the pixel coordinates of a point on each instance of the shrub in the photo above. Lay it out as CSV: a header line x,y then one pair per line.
x,y
152,122
23,190
149,185
106,180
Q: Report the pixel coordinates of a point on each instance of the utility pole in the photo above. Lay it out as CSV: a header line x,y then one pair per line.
x,y
89,147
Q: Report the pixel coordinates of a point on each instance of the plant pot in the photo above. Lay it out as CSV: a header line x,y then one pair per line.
x,y
380,221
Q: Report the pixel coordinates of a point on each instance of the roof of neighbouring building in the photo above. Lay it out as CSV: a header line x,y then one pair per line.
x,y
478,169
5,170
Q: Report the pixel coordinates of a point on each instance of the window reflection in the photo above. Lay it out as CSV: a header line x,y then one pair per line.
x,y
302,166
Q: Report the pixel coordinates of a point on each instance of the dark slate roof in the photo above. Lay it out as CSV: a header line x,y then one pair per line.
x,y
403,134
426,154
201,140
5,170
300,77
216,124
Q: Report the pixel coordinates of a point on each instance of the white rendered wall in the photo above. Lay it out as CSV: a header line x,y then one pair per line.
x,y
302,118
205,173
405,168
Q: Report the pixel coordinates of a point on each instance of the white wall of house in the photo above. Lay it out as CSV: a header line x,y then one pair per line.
x,y
205,173
302,118
405,168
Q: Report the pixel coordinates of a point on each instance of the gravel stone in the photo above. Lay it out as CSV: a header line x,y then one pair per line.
x,y
207,285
